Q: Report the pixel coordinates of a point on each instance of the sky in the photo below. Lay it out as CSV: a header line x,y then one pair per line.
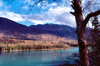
x,y
23,12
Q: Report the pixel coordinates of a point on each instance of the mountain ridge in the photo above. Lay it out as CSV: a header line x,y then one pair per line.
x,y
59,30
9,27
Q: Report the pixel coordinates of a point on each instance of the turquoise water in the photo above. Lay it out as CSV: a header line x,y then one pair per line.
x,y
36,58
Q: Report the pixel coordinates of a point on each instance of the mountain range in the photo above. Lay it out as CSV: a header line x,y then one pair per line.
x,y
9,27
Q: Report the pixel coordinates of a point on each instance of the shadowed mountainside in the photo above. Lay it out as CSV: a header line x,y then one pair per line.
x,y
9,27
55,29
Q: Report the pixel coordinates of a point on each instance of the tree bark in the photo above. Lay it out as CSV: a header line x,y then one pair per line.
x,y
81,26
82,37
83,51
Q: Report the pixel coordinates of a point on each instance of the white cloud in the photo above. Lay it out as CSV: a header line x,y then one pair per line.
x,y
25,7
11,15
57,15
53,4
89,24
37,22
66,18
59,10
28,2
45,5
38,4
54,14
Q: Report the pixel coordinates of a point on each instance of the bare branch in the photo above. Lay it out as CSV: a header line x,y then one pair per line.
x,y
87,5
73,13
10,1
89,16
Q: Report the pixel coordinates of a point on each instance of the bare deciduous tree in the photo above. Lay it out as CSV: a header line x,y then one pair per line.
x,y
81,26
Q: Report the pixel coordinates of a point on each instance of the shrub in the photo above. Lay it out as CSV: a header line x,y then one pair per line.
x,y
59,46
38,46
47,47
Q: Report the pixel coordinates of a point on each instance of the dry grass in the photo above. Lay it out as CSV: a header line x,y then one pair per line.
x,y
43,41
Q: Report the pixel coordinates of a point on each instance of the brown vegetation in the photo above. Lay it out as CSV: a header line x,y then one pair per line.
x,y
43,41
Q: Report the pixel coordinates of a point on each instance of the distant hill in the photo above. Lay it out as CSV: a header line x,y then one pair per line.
x,y
9,27
55,29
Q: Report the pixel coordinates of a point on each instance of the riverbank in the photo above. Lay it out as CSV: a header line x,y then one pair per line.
x,y
10,48
36,50
13,44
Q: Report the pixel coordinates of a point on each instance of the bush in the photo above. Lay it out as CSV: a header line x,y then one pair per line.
x,y
47,47
19,47
59,46
22,41
38,46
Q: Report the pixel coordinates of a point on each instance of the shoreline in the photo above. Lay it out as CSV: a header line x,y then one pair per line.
x,y
12,48
4,51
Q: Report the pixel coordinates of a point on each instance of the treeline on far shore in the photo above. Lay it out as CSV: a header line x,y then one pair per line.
x,y
31,47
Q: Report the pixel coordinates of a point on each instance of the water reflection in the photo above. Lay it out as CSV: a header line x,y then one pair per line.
x,y
36,58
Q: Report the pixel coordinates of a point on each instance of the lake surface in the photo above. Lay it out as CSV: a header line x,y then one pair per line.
x,y
36,58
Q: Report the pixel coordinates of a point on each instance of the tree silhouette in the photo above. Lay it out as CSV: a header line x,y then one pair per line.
x,y
95,42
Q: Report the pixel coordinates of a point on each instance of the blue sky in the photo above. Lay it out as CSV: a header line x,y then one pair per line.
x,y
47,12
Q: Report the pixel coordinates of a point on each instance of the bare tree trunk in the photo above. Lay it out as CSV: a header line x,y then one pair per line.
x,y
81,26
83,51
